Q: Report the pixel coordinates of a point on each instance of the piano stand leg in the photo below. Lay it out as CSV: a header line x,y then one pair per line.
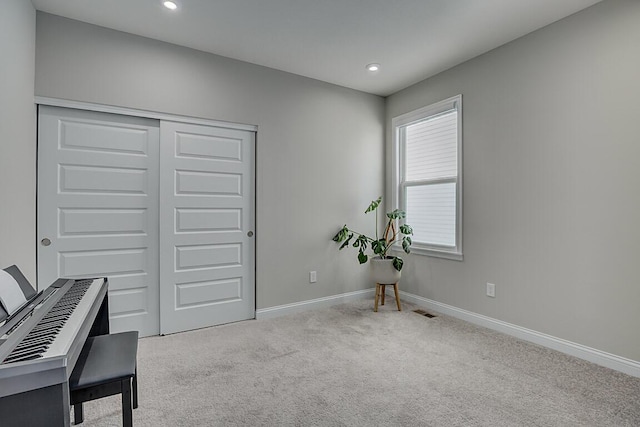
x,y
78,414
135,389
127,418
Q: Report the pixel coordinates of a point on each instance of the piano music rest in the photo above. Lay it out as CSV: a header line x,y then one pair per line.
x,y
106,366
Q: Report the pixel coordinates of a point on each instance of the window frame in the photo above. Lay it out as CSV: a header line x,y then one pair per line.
x,y
399,186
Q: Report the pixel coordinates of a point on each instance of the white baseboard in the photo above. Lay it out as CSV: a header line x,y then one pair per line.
x,y
627,366
297,307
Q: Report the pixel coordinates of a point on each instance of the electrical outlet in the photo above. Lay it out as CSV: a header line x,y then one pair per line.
x,y
313,277
491,290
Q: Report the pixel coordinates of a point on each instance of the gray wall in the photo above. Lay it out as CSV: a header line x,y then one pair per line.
x,y
551,181
17,136
308,132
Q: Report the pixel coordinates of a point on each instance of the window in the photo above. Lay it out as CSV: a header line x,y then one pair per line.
x,y
427,176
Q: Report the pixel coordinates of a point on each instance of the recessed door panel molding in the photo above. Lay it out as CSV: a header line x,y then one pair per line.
x,y
208,183
132,301
202,220
98,206
133,308
102,262
207,255
101,222
208,147
208,293
103,180
125,281
95,136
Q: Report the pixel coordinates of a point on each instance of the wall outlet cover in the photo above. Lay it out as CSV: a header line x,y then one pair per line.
x,y
491,290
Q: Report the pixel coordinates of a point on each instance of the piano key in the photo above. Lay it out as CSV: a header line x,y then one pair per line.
x,y
25,353
60,346
42,333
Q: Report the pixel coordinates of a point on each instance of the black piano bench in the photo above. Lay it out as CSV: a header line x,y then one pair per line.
x,y
106,366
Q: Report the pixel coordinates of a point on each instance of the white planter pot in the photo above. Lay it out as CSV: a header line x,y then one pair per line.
x,y
383,272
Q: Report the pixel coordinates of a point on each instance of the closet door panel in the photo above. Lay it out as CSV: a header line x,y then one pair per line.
x,y
98,206
207,250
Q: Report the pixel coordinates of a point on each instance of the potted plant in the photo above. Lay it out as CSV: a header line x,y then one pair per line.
x,y
385,268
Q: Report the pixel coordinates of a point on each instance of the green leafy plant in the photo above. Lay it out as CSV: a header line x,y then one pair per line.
x,y
380,245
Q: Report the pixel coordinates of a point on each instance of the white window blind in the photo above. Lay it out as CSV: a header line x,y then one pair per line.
x,y
428,145
431,211
431,148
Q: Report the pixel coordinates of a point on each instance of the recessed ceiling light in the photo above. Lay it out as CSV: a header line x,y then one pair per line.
x,y
373,67
171,5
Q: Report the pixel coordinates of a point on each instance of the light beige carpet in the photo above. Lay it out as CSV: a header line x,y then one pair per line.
x,y
349,366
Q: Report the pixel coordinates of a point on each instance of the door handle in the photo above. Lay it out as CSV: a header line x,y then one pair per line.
x,y
250,233
45,242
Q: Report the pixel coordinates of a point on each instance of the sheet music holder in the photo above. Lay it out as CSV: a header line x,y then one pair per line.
x,y
29,293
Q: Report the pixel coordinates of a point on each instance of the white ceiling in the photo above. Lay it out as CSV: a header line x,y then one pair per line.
x,y
331,40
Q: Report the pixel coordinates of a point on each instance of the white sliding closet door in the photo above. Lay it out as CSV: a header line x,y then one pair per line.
x,y
98,208
207,261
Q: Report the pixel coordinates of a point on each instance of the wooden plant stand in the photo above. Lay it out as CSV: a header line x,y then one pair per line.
x,y
380,294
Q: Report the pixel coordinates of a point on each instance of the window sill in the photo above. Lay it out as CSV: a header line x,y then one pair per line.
x,y
455,256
